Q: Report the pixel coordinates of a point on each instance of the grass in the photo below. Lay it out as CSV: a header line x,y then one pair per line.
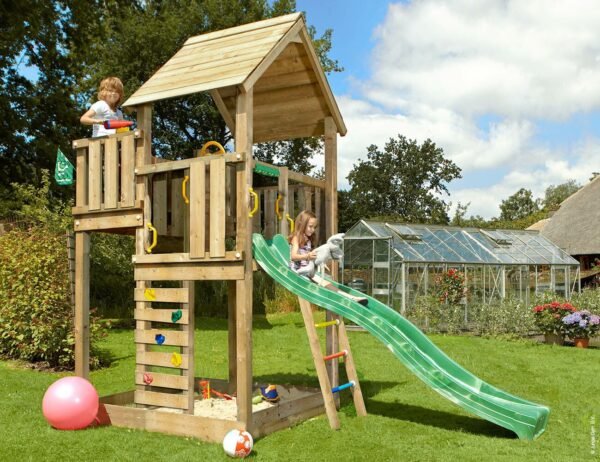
x,y
406,421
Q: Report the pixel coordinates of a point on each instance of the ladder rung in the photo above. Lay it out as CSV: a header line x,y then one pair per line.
x,y
335,322
335,355
343,387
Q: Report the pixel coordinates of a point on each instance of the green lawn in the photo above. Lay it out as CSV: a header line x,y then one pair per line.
x,y
406,421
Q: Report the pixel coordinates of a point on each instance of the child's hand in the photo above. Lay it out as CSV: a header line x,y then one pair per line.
x,y
312,255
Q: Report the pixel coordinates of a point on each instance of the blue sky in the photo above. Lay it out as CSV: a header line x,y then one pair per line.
x,y
509,89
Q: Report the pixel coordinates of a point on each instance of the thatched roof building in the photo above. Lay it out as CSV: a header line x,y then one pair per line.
x,y
575,226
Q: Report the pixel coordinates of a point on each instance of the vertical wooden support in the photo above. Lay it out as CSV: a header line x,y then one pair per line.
x,y
111,172
319,215
159,203
269,213
82,274
197,209
189,350
315,348
284,227
178,206
217,208
82,304
231,339
127,171
359,402
331,216
143,156
95,175
243,318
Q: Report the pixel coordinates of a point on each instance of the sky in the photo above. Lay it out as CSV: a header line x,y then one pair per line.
x,y
509,89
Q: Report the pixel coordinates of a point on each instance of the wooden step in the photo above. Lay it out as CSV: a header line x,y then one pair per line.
x,y
178,382
154,398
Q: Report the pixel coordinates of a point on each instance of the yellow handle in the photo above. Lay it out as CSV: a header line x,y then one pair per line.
x,y
209,144
255,196
288,218
183,185
277,212
154,238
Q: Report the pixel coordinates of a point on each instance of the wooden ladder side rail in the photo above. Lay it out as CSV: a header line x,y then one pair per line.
x,y
315,347
359,402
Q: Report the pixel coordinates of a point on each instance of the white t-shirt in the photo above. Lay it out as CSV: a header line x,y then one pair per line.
x,y
104,112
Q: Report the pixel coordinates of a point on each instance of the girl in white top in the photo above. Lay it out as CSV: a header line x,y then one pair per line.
x,y
110,95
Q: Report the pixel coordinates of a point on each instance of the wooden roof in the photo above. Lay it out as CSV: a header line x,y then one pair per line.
x,y
275,57
575,226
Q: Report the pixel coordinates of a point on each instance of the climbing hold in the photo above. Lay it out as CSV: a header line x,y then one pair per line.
x,y
160,339
150,294
148,379
176,359
176,315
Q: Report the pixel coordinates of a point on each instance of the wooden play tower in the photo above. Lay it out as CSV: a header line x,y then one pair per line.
x,y
193,220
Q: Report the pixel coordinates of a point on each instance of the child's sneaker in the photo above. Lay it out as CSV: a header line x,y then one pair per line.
x,y
269,393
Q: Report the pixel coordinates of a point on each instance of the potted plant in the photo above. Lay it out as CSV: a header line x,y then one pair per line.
x,y
580,326
548,318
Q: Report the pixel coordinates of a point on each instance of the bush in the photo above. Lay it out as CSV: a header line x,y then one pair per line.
x,y
282,301
511,317
36,315
433,316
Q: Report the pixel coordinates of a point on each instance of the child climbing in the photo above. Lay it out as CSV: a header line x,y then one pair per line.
x,y
304,256
110,95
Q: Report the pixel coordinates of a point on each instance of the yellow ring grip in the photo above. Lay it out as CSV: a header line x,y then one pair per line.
x,y
154,237
208,144
255,208
183,189
277,212
288,218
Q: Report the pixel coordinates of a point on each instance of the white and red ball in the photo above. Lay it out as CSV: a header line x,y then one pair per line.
x,y
238,443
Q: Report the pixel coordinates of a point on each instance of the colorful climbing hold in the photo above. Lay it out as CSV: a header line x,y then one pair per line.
x,y
160,339
176,315
148,379
176,359
150,294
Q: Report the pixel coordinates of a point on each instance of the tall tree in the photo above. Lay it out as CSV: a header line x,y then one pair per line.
x,y
405,181
518,206
554,195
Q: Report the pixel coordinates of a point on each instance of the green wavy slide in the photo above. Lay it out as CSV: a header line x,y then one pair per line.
x,y
413,348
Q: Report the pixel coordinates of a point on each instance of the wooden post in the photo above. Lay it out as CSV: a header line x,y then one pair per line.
x,y
331,216
243,302
82,304
189,350
284,227
143,156
82,274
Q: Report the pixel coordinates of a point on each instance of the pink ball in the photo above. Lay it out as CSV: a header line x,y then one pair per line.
x,y
70,403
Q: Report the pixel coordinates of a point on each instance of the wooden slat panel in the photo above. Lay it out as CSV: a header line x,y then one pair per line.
x,y
153,398
82,178
288,132
95,175
172,337
308,193
159,315
317,211
189,272
111,172
197,209
178,207
153,358
159,203
162,295
169,166
253,27
217,208
127,172
178,382
230,255
85,142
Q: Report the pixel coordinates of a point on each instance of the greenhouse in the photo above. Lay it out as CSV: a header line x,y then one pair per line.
x,y
399,262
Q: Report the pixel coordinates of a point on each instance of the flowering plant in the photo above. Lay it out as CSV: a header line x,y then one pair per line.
x,y
581,324
548,317
451,287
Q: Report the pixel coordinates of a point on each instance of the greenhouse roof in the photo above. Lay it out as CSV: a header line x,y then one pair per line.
x,y
446,244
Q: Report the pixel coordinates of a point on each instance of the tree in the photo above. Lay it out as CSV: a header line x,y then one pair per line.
x,y
519,205
556,194
404,182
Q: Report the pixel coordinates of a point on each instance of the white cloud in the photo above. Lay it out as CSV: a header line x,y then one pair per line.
x,y
439,66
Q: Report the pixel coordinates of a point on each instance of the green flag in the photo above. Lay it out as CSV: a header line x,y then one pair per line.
x,y
63,173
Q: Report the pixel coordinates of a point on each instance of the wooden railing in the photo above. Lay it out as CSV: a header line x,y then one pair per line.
x,y
105,173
